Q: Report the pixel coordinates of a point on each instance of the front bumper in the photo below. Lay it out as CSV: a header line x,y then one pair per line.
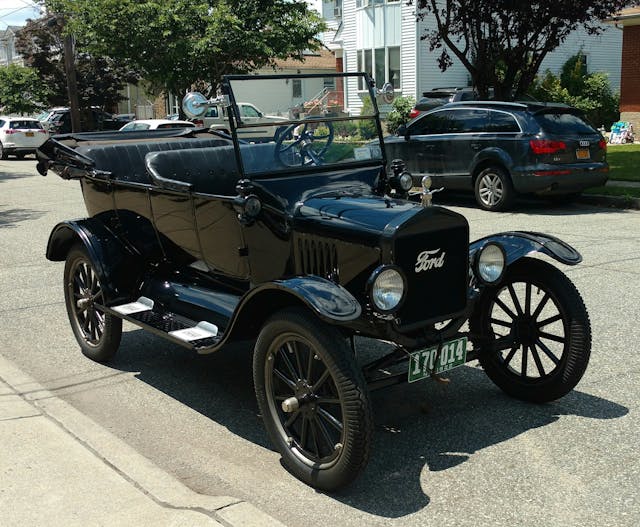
x,y
560,179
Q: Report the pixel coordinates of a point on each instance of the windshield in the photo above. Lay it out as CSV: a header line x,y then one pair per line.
x,y
303,122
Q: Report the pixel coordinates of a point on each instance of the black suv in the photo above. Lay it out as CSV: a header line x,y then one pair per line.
x,y
502,149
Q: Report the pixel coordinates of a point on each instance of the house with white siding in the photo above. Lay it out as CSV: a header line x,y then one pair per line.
x,y
382,37
8,53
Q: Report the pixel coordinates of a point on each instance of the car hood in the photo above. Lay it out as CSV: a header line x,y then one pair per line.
x,y
366,219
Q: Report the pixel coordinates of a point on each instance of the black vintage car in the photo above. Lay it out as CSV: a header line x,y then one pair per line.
x,y
299,244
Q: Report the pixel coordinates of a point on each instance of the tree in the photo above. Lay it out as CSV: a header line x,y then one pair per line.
x,y
21,91
176,43
589,92
502,43
100,78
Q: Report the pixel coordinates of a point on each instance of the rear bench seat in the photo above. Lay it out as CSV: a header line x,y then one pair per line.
x,y
126,161
208,170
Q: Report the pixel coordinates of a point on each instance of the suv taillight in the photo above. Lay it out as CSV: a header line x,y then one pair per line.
x,y
198,122
414,113
10,131
545,146
602,144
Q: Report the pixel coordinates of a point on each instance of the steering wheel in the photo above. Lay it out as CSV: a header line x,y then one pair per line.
x,y
307,147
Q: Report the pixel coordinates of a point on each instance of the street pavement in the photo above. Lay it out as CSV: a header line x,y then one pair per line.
x,y
158,435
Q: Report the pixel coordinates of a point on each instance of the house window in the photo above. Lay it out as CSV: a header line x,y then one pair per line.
x,y
296,85
365,3
383,64
329,83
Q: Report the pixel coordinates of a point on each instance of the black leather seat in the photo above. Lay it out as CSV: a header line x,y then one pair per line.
x,y
126,161
206,170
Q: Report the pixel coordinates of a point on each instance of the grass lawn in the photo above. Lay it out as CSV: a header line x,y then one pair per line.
x,y
624,162
609,190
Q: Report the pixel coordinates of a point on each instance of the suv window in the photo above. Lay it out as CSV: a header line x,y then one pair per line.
x,y
212,112
501,122
564,124
29,125
471,121
248,111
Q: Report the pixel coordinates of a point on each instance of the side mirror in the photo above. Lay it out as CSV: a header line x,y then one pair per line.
x,y
386,93
194,104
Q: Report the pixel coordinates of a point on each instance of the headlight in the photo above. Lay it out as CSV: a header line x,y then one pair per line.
x,y
406,181
490,263
387,290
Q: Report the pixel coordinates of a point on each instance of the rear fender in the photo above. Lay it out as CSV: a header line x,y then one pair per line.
x,y
327,300
517,244
117,267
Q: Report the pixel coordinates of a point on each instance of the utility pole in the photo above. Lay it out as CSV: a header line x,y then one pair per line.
x,y
72,82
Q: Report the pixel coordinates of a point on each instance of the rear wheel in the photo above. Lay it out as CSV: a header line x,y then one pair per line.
x,y
313,399
536,335
494,190
3,152
97,332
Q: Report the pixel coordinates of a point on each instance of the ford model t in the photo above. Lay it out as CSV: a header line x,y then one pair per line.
x,y
299,244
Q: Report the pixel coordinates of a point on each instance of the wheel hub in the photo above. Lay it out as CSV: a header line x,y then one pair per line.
x,y
526,330
304,399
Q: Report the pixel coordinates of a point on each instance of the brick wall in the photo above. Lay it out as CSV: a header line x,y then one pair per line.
x,y
630,78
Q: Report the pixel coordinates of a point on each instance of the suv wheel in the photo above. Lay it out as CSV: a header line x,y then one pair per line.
x,y
494,190
3,153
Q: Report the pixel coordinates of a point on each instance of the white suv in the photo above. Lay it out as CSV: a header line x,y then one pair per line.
x,y
216,118
20,136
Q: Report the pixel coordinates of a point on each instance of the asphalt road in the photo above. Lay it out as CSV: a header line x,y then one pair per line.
x,y
461,455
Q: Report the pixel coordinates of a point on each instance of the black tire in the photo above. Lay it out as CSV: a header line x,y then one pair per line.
x,y
326,441
98,333
3,152
20,156
544,312
494,189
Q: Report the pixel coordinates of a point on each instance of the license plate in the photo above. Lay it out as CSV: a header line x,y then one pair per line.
x,y
29,134
583,153
423,363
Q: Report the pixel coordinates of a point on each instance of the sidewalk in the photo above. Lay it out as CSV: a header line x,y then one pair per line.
x,y
59,468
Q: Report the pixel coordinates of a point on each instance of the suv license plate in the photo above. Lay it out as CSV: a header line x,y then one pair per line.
x,y
583,153
423,363
29,134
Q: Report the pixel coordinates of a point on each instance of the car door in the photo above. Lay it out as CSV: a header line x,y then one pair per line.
x,y
421,147
464,138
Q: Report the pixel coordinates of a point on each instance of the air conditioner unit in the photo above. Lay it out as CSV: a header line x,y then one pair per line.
x,y
337,11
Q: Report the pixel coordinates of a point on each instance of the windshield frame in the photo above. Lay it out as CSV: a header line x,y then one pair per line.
x,y
236,123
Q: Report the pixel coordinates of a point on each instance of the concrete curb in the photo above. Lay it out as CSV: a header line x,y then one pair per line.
x,y
139,471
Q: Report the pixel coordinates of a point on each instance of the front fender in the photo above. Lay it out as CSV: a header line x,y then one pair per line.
x,y
115,264
327,300
520,243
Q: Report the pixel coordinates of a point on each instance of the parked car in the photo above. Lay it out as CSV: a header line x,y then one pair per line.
x,y
299,245
20,136
154,124
124,117
58,120
216,117
500,150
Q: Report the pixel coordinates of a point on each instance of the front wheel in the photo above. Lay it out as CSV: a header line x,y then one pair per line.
x,y
313,399
534,332
97,332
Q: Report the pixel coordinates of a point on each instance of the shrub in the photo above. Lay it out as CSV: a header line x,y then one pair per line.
x,y
367,128
400,113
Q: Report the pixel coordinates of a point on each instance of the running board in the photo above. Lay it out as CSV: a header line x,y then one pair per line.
x,y
189,333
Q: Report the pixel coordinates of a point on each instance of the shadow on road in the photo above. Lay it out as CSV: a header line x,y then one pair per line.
x,y
420,428
526,205
10,217
7,176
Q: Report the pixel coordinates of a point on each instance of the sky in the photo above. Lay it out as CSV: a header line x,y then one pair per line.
x,y
15,12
